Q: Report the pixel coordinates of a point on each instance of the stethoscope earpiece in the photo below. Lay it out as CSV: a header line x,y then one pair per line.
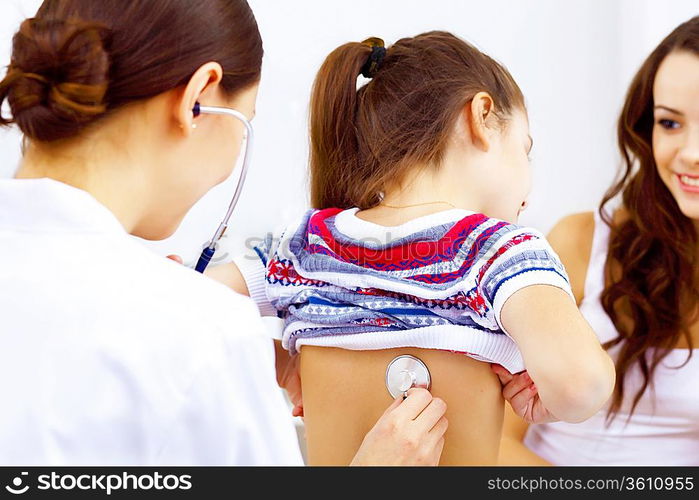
x,y
197,109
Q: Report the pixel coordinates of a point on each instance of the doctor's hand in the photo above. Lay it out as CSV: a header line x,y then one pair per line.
x,y
410,432
519,390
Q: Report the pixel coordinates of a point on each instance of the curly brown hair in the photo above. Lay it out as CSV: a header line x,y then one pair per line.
x,y
651,293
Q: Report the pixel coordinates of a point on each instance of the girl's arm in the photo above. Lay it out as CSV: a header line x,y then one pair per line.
x,y
571,238
230,275
246,275
570,359
572,372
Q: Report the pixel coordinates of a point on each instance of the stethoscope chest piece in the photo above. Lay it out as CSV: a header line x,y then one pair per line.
x,y
405,372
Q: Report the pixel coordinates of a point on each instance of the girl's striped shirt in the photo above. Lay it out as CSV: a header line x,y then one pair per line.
x,y
436,282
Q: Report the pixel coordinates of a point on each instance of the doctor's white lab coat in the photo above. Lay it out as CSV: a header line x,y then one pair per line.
x,y
112,355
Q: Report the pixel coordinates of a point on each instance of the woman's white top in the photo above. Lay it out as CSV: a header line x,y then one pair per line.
x,y
111,354
663,430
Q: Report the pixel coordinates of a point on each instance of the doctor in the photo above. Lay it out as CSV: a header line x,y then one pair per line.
x,y
110,354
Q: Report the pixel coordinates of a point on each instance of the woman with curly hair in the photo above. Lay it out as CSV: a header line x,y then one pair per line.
x,y
634,272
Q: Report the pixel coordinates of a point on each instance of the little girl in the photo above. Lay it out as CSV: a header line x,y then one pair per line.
x,y
417,179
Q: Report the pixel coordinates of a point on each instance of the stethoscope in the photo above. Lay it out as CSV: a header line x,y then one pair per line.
x,y
210,248
403,372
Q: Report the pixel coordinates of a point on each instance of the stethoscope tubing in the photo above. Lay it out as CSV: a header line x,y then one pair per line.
x,y
210,249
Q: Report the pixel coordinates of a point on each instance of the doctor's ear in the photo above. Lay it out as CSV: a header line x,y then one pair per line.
x,y
201,85
479,114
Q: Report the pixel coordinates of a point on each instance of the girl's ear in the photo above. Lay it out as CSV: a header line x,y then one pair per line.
x,y
477,113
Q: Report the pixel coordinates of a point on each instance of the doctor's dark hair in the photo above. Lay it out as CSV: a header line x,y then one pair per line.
x,y
362,139
77,61
651,291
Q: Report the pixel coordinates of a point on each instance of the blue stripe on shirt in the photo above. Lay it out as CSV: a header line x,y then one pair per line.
x,y
497,287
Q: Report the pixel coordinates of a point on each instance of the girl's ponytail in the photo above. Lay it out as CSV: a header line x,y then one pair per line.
x,y
334,137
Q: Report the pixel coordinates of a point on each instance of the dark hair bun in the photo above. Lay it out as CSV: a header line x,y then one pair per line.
x,y
57,81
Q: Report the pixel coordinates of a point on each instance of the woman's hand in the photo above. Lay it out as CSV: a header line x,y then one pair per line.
x,y
519,390
410,432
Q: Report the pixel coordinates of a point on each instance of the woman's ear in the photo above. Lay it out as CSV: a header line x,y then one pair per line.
x,y
477,116
202,82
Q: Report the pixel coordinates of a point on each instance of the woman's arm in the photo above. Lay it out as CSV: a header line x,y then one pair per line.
x,y
571,239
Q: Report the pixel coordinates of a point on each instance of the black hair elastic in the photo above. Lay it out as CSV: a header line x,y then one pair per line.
x,y
373,63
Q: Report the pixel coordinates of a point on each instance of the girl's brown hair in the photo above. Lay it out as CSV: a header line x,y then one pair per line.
x,y
651,261
362,139
78,60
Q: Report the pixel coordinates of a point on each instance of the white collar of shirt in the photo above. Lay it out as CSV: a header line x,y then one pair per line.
x,y
350,225
49,205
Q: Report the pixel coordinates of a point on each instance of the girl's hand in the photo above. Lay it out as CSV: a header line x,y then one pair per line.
x,y
289,379
519,390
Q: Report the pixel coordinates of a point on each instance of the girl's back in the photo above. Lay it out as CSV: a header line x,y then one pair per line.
x,y
344,394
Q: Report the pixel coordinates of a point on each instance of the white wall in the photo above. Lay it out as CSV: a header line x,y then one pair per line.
x,y
573,60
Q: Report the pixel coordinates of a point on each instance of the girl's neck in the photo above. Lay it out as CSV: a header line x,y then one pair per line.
x,y
384,216
429,190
